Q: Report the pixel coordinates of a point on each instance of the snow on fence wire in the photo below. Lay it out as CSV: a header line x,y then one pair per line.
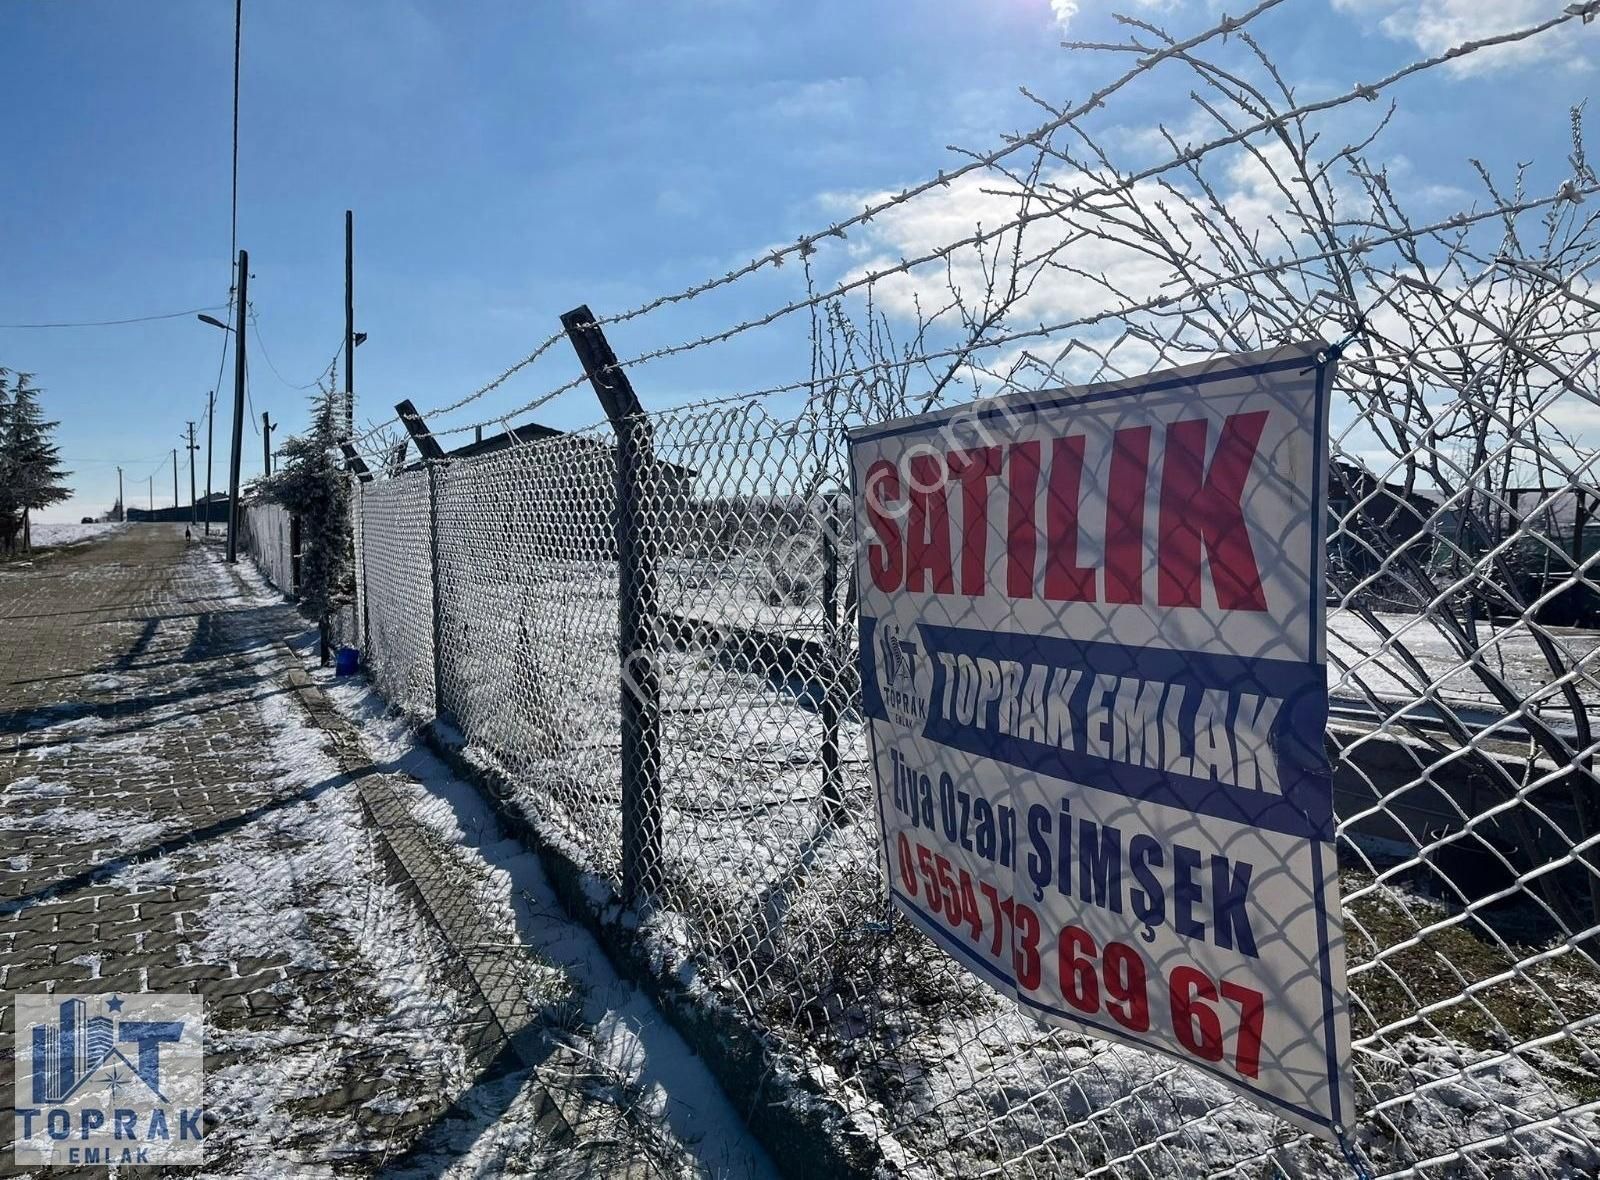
x,y
272,537
1462,638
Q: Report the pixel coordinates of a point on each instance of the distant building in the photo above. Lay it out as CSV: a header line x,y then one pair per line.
x,y
556,491
1377,529
215,506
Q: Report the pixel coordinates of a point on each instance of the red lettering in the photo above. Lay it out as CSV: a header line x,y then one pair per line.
x,y
1204,510
1252,1015
883,555
1125,496
928,530
1064,579
974,469
1197,1026
1022,541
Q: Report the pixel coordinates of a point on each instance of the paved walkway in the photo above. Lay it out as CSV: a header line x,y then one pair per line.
x,y
171,823
389,986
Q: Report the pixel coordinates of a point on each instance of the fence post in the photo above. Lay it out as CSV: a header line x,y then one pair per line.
x,y
357,468
636,606
361,558
832,793
439,711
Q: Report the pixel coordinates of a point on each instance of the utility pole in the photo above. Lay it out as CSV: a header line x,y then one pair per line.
x,y
266,444
211,419
238,406
122,505
349,324
150,487
194,507
174,481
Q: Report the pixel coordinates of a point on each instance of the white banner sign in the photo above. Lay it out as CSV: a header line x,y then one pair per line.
x,y
1094,675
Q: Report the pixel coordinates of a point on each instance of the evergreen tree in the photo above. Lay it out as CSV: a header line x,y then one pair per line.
x,y
310,484
30,470
10,512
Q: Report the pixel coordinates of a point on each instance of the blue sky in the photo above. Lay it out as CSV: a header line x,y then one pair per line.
x,y
507,161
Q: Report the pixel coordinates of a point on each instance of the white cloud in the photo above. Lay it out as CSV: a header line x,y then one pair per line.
x,y
1065,10
1104,265
1437,25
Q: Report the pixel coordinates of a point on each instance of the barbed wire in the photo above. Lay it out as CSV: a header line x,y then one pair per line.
x,y
494,589
806,244
1368,91
1163,302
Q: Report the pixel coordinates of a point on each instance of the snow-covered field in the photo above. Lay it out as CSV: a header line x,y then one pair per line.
x,y
1363,659
48,535
1395,657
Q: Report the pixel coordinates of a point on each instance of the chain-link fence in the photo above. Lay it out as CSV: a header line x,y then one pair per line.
x,y
501,592
395,583
271,535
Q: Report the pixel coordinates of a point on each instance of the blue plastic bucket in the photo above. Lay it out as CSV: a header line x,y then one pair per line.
x,y
346,662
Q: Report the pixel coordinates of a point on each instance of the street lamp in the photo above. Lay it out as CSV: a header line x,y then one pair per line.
x,y
213,321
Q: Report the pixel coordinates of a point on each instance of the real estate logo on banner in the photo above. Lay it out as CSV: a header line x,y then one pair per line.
x,y
1094,675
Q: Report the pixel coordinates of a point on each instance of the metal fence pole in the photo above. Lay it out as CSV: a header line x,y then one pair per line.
x,y
360,478
361,557
636,607
832,794
439,711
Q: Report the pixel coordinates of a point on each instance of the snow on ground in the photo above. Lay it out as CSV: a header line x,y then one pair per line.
x,y
617,1026
45,535
532,675
1362,659
366,1025
305,884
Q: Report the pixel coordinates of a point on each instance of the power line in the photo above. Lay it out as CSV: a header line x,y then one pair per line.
x,y
125,462
250,401
255,326
222,361
141,319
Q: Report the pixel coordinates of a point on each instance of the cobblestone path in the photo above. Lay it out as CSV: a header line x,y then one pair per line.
x,y
170,822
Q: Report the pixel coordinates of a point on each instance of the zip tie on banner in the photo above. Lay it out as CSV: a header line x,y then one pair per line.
x,y
1358,1166
1334,350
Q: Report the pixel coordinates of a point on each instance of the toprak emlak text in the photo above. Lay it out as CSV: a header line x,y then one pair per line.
x,y
1094,675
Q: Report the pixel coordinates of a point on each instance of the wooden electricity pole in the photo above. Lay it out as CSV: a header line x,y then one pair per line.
x,y
238,406
211,421
194,507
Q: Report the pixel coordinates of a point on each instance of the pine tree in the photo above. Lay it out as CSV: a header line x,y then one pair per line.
x,y
30,469
10,512
310,484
